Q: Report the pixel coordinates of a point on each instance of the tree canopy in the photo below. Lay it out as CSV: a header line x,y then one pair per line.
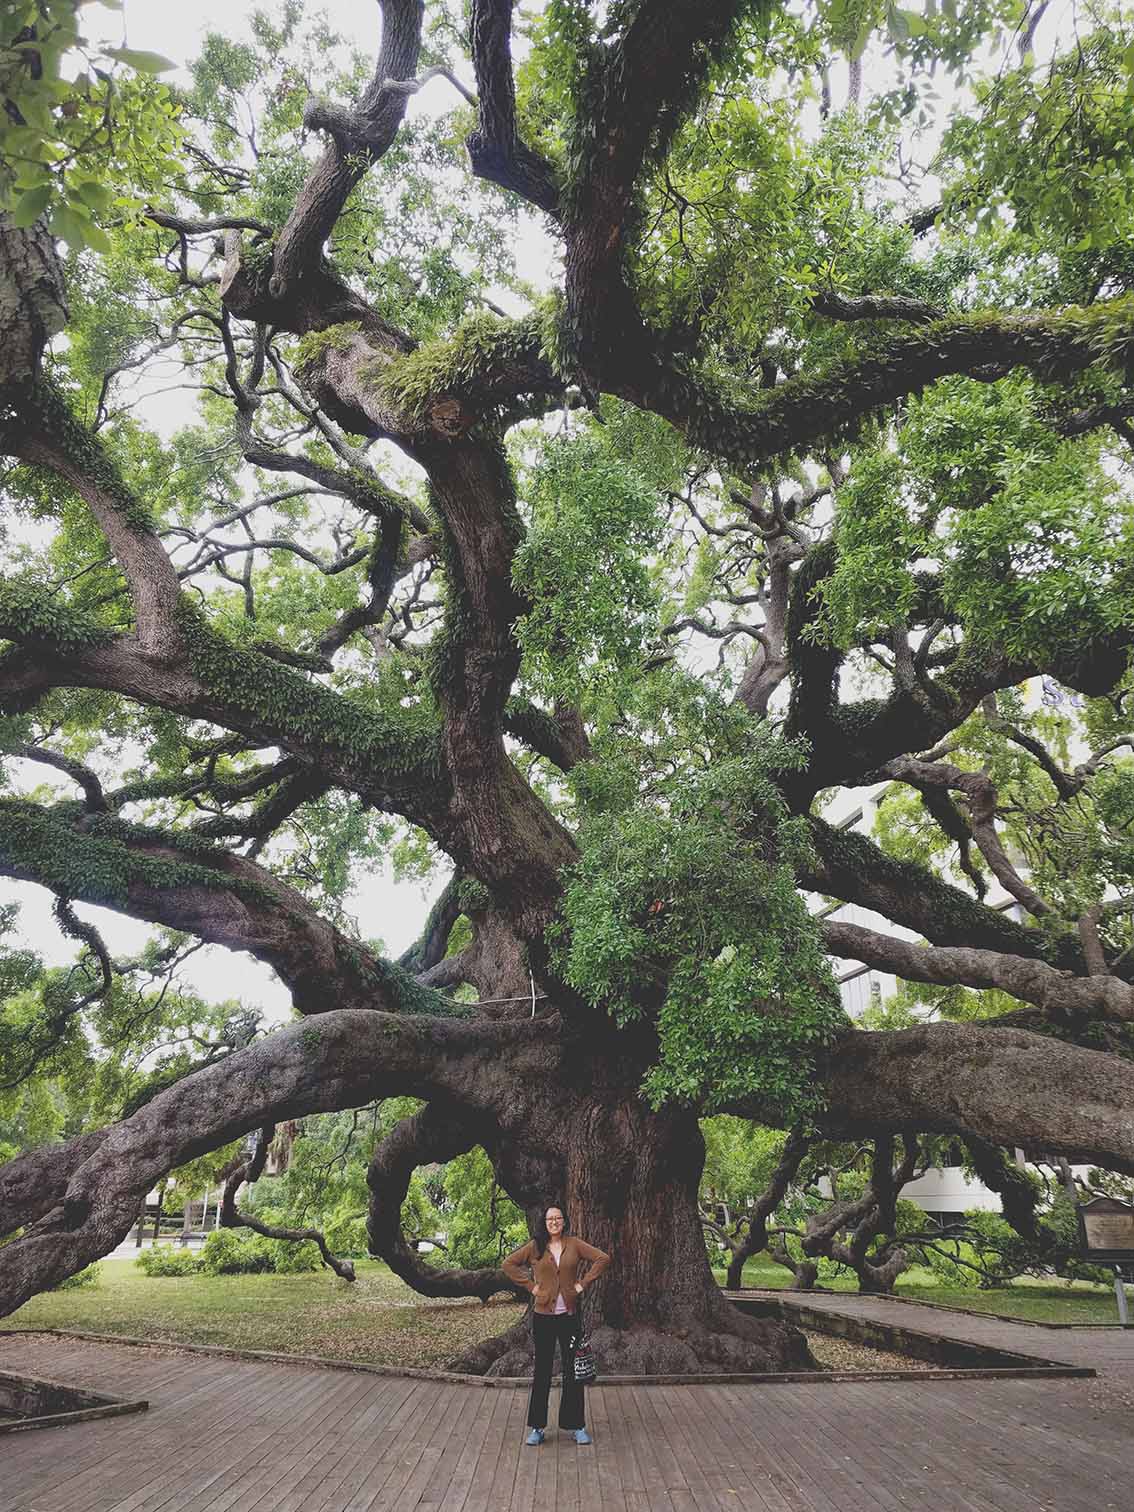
x,y
809,468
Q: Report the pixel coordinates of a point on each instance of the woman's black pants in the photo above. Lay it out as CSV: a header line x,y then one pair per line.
x,y
549,1328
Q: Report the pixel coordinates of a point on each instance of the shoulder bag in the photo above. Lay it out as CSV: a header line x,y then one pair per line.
x,y
586,1367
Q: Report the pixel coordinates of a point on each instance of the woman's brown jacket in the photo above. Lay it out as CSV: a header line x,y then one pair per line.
x,y
549,1279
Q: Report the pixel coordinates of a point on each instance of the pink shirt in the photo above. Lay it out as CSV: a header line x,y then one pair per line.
x,y
560,1305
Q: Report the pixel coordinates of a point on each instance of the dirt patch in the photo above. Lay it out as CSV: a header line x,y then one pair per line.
x,y
840,1354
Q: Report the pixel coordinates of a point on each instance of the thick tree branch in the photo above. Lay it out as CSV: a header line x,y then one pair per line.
x,y
983,801
437,1133
48,434
354,147
851,867
1058,993
219,897
344,1059
876,307
495,149
1006,1086
233,687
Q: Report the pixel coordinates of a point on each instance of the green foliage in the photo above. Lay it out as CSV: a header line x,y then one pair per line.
x,y
1051,146
232,1252
690,898
596,518
88,1276
1032,541
482,1224
166,1260
740,1157
86,132
466,364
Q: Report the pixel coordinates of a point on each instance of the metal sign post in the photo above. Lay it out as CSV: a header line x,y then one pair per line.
x,y
1106,1236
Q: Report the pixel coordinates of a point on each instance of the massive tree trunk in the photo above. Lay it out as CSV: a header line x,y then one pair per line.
x,y
628,1183
631,1187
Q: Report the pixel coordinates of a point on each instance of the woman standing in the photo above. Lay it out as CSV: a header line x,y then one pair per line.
x,y
554,1257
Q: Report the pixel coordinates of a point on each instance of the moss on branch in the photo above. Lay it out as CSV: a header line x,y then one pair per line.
x,y
478,364
835,405
99,865
29,612
270,694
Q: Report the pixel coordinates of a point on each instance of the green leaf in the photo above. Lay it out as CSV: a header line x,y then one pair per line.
x,y
94,194
71,225
898,23
143,62
97,238
31,205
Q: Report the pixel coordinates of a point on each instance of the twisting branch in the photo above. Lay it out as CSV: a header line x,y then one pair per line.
x,y
88,1192
250,1170
358,139
222,898
438,71
1099,996
438,1133
49,435
982,800
755,1239
87,780
865,1218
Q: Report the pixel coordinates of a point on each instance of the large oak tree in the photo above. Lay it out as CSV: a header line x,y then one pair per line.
x,y
787,486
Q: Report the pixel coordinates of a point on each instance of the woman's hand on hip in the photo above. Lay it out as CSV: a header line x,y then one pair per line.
x,y
578,1288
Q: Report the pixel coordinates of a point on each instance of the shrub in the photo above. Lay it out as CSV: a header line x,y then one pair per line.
x,y
346,1237
289,1259
165,1260
86,1277
240,1252
229,1252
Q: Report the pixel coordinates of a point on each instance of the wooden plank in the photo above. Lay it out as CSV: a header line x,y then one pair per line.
x,y
389,1403
449,1487
501,1423
605,1463
286,1438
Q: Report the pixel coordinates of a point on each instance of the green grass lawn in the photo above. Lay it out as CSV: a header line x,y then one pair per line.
x,y
1040,1301
376,1318
380,1320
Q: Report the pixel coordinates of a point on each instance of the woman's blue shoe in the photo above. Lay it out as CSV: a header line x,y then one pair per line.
x,y
536,1437
582,1436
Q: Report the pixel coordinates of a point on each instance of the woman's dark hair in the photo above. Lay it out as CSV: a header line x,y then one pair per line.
x,y
541,1235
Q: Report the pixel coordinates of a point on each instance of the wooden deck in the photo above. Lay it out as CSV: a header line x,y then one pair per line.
x,y
242,1436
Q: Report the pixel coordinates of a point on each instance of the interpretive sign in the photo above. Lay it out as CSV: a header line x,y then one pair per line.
x,y
1106,1230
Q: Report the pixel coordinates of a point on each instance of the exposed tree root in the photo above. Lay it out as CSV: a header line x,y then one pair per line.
x,y
732,1343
